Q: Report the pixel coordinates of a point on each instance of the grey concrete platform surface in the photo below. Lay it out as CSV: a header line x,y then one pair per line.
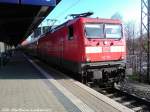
x,y
25,87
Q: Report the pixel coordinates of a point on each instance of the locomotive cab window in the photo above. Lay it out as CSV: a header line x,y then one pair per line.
x,y
70,32
113,31
94,30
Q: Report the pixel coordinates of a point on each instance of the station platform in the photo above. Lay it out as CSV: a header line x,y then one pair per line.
x,y
27,86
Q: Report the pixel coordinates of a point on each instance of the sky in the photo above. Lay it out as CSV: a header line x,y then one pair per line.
x,y
128,9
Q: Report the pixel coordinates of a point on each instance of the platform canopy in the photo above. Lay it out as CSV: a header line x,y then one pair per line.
x,y
18,18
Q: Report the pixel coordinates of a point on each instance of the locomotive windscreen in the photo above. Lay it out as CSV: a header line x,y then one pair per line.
x,y
113,31
103,31
94,30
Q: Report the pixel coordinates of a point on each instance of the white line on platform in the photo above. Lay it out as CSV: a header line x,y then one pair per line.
x,y
81,105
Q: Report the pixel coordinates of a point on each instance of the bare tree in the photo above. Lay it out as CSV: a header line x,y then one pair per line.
x,y
130,36
117,15
133,44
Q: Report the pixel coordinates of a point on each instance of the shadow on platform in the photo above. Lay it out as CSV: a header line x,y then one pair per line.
x,y
20,68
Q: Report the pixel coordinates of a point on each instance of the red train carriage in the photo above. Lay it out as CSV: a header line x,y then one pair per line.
x,y
92,47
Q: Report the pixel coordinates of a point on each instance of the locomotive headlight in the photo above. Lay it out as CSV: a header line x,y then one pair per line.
x,y
105,42
87,59
122,57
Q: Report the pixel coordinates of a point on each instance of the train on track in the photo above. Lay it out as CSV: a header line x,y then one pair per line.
x,y
94,49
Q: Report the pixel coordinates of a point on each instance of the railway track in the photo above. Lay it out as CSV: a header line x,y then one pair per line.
x,y
131,101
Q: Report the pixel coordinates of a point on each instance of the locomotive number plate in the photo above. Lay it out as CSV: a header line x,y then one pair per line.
x,y
106,49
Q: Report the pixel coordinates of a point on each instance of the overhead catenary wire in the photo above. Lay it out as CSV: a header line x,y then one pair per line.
x,y
67,9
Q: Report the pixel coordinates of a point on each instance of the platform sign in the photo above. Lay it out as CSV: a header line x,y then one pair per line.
x,y
9,1
39,2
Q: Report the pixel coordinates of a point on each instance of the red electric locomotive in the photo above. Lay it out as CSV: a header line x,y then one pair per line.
x,y
93,48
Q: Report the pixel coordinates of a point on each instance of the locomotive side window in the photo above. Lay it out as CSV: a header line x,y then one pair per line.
x,y
94,31
70,32
113,31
